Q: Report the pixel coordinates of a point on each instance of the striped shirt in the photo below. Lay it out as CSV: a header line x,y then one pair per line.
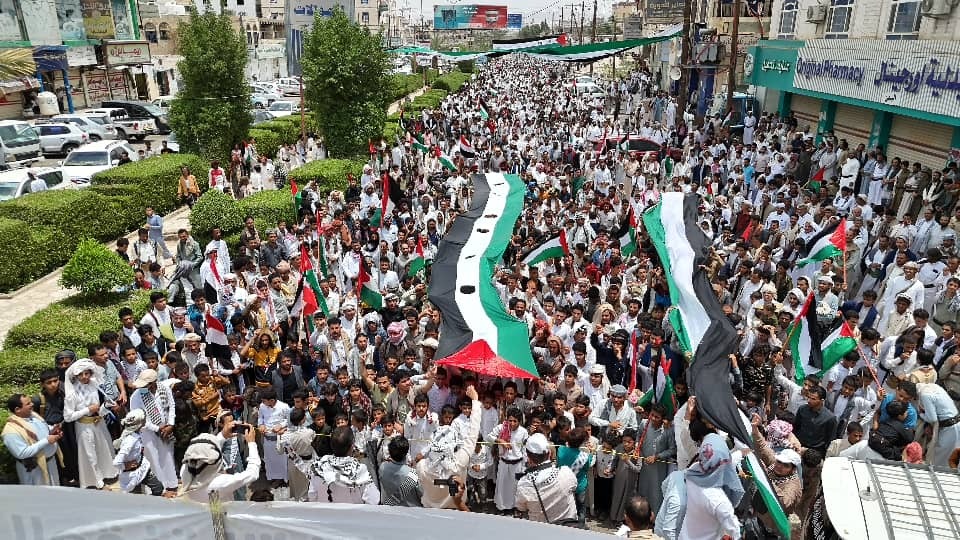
x,y
399,485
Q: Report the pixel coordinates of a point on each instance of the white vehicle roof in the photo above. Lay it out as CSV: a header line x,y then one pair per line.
x,y
100,145
887,500
12,122
19,175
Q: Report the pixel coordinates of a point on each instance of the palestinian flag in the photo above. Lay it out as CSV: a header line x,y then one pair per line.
x,y
367,289
628,235
297,194
706,336
418,144
817,179
309,278
482,108
623,144
419,262
578,184
476,332
466,148
553,248
757,472
591,52
372,149
830,242
812,354
216,337
662,392
448,163
527,43
382,214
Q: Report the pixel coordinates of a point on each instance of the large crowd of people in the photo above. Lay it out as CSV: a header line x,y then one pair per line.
x,y
348,405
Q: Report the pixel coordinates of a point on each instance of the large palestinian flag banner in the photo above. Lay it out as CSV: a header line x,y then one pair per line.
x,y
476,332
706,336
511,45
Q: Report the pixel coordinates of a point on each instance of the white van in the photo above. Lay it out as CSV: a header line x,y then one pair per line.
x,y
19,144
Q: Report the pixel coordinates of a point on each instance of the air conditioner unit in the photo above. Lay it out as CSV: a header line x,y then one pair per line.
x,y
817,13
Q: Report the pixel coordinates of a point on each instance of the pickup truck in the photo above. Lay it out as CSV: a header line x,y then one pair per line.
x,y
127,128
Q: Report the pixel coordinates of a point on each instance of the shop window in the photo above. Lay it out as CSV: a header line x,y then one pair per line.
x,y
365,18
788,19
838,19
904,20
164,31
150,32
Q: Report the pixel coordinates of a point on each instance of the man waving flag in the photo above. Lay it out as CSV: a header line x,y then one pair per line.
x,y
553,248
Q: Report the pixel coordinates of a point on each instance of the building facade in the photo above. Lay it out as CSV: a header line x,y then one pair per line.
x,y
877,72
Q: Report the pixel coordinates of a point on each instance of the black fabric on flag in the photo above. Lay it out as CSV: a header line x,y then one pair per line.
x,y
710,369
455,331
816,336
210,293
824,232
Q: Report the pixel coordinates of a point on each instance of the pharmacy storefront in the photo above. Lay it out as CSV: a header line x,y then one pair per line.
x,y
901,95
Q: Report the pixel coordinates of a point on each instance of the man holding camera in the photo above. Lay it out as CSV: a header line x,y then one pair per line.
x,y
545,491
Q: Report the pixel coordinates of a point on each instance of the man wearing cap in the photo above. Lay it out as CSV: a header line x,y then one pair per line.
x,y
545,492
906,284
614,414
827,302
785,466
156,401
896,321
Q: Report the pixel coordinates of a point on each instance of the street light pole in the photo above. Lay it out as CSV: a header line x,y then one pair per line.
x,y
734,39
685,66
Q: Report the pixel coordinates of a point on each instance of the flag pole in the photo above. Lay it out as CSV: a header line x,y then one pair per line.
x,y
866,362
843,223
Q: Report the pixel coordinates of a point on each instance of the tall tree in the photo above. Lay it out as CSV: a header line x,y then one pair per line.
x,y
345,70
211,112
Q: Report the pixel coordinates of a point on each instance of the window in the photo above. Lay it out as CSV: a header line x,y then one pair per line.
x,y
150,31
904,19
365,18
164,31
838,19
788,19
52,178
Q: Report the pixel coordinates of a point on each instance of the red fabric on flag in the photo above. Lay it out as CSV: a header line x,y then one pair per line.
x,y
216,332
480,358
294,189
818,176
372,149
839,236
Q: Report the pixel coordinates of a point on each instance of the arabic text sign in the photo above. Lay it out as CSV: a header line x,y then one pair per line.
x,y
514,21
663,11
919,75
97,19
302,12
120,53
469,17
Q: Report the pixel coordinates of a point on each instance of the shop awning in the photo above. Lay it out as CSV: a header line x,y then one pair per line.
x,y
16,64
18,85
50,58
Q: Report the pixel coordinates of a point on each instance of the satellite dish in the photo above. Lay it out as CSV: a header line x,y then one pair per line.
x,y
675,73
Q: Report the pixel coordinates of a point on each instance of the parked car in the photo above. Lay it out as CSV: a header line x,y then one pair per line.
x,y
591,89
289,86
126,127
16,183
163,102
92,158
263,96
60,138
19,144
172,142
284,108
91,124
259,116
141,110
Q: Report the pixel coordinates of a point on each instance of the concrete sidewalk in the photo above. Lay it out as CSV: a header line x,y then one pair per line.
x,y
29,299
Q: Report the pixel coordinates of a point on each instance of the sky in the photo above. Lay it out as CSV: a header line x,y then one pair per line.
x,y
534,11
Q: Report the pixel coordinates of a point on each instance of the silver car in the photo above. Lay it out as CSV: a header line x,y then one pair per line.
x,y
95,127
60,138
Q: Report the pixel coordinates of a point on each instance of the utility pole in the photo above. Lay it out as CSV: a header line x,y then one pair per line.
x,y
734,39
685,66
582,12
561,19
593,38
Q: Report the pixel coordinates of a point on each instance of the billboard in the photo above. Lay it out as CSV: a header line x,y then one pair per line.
x,y
664,11
514,21
299,16
469,17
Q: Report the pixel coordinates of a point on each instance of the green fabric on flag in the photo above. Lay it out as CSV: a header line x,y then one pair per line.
x,y
447,163
310,278
651,220
419,144
578,184
377,217
416,265
371,297
324,271
830,251
666,399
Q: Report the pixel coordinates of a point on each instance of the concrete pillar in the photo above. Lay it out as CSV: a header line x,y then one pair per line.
x,y
880,129
783,104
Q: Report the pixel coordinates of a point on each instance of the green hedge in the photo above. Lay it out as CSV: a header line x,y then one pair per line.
x,y
451,82
403,85
266,207
328,174
267,141
428,100
214,208
156,178
269,207
72,213
29,252
73,323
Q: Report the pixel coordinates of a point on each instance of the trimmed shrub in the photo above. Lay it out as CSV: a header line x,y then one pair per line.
x,y
451,82
214,208
428,100
29,252
96,269
286,130
157,178
269,207
328,174
72,323
267,141
74,214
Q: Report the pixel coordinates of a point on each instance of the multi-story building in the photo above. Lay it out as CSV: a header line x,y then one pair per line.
x,y
877,72
84,52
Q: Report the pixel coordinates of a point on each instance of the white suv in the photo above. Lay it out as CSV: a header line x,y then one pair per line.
x,y
92,158
59,137
96,128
